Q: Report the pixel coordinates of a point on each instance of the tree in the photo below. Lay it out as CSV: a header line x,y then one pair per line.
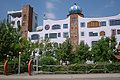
x,y
82,53
102,51
8,40
64,51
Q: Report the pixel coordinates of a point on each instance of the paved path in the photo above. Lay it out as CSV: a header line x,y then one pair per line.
x,y
62,77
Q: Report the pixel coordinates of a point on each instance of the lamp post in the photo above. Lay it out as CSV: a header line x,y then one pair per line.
x,y
19,63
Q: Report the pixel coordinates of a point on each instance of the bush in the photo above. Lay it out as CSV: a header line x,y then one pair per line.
x,y
47,60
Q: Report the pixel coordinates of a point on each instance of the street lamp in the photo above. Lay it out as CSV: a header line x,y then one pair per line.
x,y
19,63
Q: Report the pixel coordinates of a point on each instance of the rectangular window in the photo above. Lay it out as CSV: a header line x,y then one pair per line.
x,y
113,31
118,31
114,22
53,35
93,42
59,34
82,33
82,24
93,34
65,26
46,36
103,23
65,35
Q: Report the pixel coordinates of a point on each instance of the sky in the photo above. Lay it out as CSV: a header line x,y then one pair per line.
x,y
59,9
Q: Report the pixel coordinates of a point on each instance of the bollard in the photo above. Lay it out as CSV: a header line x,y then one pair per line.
x,y
6,67
29,67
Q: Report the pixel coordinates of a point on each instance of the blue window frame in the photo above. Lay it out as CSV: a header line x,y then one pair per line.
x,y
103,23
56,27
82,33
35,37
93,34
82,24
53,35
46,36
118,31
114,22
59,34
65,26
65,35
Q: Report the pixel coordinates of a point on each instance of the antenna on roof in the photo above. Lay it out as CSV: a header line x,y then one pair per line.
x,y
44,17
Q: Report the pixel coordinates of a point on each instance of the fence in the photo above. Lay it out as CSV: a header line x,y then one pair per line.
x,y
1,69
80,68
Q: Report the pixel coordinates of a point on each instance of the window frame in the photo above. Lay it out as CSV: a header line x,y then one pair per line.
x,y
103,23
82,24
64,35
64,26
53,37
55,28
33,37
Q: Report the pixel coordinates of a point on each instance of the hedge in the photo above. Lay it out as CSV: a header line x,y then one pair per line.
x,y
83,68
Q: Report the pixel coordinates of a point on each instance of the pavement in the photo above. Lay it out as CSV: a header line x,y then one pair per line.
x,y
110,76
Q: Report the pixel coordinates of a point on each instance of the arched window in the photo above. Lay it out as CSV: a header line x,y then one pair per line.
x,y
93,24
56,27
102,33
34,37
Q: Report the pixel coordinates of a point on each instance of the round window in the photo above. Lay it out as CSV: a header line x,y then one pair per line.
x,y
47,27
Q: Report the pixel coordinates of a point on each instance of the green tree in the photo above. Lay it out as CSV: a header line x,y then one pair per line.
x,y
8,40
64,51
102,51
47,60
82,53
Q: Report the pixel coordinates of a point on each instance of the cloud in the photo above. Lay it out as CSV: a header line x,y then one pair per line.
x,y
50,7
110,4
50,15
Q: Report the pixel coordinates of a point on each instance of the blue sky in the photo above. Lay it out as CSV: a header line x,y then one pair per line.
x,y
58,9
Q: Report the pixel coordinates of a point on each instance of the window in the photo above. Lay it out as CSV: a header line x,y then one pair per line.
x,y
18,23
93,24
46,36
74,19
59,34
113,31
53,35
65,26
102,33
82,24
114,22
13,22
65,35
93,42
118,31
47,27
93,34
103,23
34,37
56,27
82,33
35,17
